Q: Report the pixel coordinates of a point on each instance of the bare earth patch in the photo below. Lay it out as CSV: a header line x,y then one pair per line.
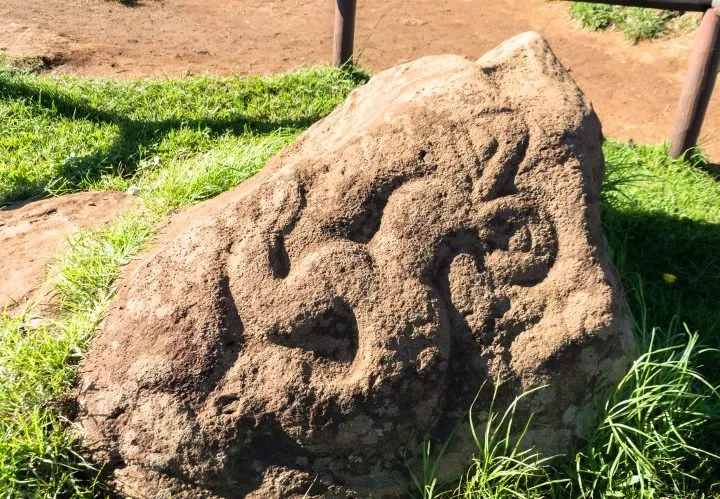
x,y
32,233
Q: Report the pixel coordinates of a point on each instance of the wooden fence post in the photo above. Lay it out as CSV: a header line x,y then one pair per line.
x,y
344,32
699,83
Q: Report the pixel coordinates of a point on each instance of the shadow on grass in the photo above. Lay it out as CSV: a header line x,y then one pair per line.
x,y
712,168
654,248
649,249
135,135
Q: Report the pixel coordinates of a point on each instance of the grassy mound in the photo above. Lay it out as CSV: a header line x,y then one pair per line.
x,y
176,142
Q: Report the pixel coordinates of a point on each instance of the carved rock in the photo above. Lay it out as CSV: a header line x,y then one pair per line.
x,y
439,230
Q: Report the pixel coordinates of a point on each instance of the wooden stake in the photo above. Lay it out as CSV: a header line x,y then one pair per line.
x,y
699,83
344,32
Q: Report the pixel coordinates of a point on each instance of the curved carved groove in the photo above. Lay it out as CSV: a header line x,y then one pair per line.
x,y
331,334
451,245
231,335
504,182
278,257
448,248
528,239
363,226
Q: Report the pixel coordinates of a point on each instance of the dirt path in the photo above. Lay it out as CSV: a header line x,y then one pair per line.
x,y
634,88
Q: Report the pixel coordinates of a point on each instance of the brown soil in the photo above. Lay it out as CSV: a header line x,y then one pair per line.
x,y
634,88
437,232
32,233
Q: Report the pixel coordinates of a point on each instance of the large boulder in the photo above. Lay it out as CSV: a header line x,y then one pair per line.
x,y
439,230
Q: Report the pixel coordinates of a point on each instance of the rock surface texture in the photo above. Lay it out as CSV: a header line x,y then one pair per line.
x,y
439,230
31,234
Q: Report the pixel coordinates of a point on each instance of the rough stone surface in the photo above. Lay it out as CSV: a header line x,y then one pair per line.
x,y
32,233
439,230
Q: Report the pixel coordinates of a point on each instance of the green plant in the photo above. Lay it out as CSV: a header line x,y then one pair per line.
x,y
427,484
635,23
594,16
652,440
502,467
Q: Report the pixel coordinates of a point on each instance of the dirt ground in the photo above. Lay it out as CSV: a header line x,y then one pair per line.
x,y
634,88
31,234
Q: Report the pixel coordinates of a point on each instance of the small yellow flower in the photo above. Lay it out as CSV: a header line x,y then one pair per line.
x,y
669,278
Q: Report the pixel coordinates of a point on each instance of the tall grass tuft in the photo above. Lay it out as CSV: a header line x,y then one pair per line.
x,y
650,442
502,467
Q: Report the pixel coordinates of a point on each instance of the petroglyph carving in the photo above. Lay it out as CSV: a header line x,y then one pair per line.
x,y
438,231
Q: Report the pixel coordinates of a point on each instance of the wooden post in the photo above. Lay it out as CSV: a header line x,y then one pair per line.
x,y
699,83
344,32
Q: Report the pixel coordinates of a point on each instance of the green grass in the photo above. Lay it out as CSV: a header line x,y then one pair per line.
x,y
177,142
653,440
635,23
662,216
502,467
63,135
37,367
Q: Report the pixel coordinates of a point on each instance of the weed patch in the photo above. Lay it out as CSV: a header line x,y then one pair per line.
x,y
634,22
